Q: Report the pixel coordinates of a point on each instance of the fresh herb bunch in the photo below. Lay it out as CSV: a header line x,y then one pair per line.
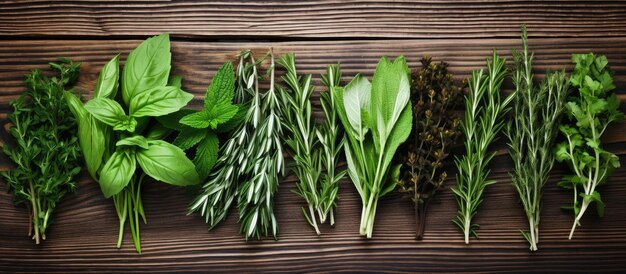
x,y
200,129
483,121
532,133
256,192
332,140
314,149
221,187
46,151
589,112
301,138
122,143
434,97
377,118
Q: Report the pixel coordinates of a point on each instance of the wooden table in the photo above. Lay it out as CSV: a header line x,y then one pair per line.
x,y
356,33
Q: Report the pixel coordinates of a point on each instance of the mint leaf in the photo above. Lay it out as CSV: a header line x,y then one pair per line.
x,y
188,138
171,120
222,88
206,154
222,114
198,119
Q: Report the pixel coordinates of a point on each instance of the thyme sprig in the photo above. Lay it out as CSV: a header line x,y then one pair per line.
x,y
532,133
482,123
46,152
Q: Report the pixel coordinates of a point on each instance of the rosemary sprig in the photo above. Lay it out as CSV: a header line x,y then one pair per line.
x,y
301,139
434,97
483,121
221,188
532,134
313,149
331,139
256,192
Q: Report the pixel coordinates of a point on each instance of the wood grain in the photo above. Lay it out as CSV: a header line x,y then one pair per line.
x,y
321,19
84,233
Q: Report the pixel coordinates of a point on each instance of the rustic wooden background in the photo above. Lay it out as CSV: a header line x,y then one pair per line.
x,y
356,33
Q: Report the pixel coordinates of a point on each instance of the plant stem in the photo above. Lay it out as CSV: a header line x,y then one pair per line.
x,y
35,210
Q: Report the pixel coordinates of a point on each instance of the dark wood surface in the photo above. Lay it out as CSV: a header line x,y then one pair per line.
x,y
204,35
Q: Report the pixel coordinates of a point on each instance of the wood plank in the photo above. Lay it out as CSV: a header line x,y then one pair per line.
x,y
322,19
84,233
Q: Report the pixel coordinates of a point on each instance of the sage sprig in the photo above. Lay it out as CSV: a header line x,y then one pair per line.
x,y
377,119
532,133
121,141
46,152
483,121
590,111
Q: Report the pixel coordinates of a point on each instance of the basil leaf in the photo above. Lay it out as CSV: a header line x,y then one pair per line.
x,y
92,134
171,120
147,66
117,172
136,140
158,132
106,111
167,163
175,81
158,101
108,81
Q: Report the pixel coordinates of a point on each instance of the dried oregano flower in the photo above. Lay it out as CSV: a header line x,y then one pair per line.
x,y
435,96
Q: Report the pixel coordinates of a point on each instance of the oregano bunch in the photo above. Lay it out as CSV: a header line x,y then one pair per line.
x,y
436,127
590,111
46,152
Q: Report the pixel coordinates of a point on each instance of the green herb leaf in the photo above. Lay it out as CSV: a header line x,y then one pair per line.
x,y
167,163
108,81
147,66
206,153
137,140
117,172
158,101
198,119
189,137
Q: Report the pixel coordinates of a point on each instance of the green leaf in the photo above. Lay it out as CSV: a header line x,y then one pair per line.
x,y
188,138
106,111
390,96
222,88
91,134
167,163
206,154
137,140
158,132
222,114
158,101
198,119
147,66
595,197
356,103
117,172
108,81
171,120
